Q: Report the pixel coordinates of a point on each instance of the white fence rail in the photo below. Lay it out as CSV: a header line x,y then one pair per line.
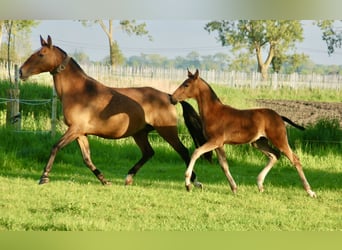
x,y
124,76
169,79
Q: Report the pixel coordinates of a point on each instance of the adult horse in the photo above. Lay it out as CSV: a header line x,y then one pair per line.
x,y
91,108
226,125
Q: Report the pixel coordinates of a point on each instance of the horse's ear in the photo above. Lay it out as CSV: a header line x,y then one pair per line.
x,y
189,73
49,41
42,41
196,74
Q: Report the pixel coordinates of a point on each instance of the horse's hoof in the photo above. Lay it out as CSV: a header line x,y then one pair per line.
x,y
44,180
106,183
188,187
129,180
261,188
312,194
198,185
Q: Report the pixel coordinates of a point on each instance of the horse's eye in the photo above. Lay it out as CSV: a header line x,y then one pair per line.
x,y
40,55
186,85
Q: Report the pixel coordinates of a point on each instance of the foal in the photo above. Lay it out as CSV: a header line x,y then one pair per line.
x,y
223,124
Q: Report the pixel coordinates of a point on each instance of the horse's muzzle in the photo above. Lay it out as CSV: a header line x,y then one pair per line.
x,y
21,76
173,100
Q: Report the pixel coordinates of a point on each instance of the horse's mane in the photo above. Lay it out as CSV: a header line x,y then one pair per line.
x,y
212,92
72,59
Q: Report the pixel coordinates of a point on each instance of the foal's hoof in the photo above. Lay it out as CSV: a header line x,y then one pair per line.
x,y
260,187
198,185
312,194
44,180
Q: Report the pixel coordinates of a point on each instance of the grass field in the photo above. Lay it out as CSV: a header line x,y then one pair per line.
x,y
75,200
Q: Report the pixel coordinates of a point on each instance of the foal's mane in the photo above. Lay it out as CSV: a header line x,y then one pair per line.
x,y
213,95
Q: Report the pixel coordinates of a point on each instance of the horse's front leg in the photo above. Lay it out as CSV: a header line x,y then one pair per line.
x,y
207,147
225,168
68,137
85,149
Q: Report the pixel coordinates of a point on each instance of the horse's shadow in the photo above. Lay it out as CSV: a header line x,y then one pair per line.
x,y
246,173
116,158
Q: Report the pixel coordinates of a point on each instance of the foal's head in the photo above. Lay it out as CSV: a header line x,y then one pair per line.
x,y
188,89
45,59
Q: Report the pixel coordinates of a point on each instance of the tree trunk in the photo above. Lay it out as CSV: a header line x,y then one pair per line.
x,y
263,66
10,24
263,70
111,53
109,33
1,25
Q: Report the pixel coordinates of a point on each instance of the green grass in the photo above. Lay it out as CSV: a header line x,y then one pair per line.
x,y
75,200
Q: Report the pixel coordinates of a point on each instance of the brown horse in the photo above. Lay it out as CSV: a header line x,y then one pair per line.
x,y
226,125
91,108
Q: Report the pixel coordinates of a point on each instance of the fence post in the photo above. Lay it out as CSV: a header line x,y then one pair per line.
x,y
13,116
53,113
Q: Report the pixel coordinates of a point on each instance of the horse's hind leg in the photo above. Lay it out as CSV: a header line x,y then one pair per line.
x,y
84,146
272,154
285,148
170,134
141,140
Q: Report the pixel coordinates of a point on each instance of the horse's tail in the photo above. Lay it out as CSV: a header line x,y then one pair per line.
x,y
194,125
292,123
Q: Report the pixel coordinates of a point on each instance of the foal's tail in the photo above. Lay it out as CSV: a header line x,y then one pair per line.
x,y
292,123
194,125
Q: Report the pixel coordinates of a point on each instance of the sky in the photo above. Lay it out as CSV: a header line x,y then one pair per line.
x,y
171,38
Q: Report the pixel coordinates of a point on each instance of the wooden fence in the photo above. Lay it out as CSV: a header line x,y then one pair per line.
x,y
168,78
163,79
121,76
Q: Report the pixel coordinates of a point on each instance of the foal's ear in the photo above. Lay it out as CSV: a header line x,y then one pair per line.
x,y
189,73
196,74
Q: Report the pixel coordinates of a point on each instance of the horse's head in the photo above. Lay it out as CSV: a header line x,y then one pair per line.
x,y
44,59
187,89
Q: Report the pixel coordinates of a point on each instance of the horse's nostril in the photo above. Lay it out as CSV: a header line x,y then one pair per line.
x,y
21,74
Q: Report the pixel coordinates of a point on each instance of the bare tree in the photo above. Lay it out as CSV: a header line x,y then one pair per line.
x,y
128,26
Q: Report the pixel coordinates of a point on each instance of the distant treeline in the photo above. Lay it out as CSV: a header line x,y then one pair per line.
x,y
219,62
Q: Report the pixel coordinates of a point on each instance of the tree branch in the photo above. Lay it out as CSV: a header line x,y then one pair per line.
x,y
109,31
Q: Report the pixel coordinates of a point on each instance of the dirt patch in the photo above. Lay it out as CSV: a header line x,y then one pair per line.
x,y
304,112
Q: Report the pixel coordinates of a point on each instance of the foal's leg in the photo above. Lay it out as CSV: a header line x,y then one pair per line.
x,y
68,137
272,154
170,134
208,146
224,165
285,148
141,140
84,146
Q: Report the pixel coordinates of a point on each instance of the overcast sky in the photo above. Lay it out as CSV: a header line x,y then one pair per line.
x,y
171,38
